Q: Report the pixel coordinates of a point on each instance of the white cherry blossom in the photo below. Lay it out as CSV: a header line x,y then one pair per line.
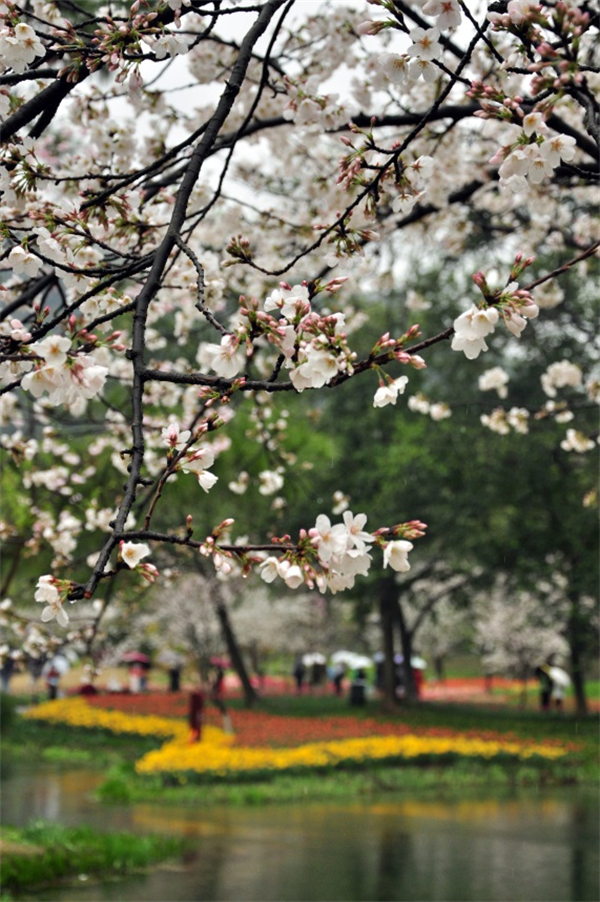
x,y
447,13
226,358
198,463
561,374
175,438
48,594
329,540
133,552
316,368
576,441
471,327
494,379
53,349
24,262
425,43
357,537
395,555
388,393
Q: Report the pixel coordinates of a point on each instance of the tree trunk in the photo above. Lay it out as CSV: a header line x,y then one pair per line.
x,y
235,655
387,596
438,664
410,688
576,641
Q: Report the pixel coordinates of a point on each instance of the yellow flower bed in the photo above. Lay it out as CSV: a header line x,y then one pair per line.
x,y
75,712
207,758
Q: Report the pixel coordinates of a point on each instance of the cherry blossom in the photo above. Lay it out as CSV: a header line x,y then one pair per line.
x,y
132,553
396,68
317,366
19,48
198,463
388,392
226,358
270,482
447,12
470,329
395,555
47,593
494,379
357,537
560,374
425,43
24,262
576,441
175,437
329,540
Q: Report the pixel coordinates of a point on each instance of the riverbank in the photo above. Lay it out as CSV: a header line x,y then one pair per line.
x,y
44,854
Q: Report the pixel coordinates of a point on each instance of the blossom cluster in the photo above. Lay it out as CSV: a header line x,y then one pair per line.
x,y
68,380
342,552
513,305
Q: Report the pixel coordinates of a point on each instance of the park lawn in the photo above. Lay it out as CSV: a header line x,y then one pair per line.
x,y
43,854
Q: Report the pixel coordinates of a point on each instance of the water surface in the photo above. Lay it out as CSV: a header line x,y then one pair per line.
x,y
529,846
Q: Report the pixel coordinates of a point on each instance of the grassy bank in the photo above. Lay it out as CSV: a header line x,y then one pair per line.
x,y
44,854
452,781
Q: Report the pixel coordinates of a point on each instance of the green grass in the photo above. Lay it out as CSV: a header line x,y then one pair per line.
x,y
42,854
452,780
514,698
69,745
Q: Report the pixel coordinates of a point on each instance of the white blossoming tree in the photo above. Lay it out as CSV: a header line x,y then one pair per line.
x,y
191,194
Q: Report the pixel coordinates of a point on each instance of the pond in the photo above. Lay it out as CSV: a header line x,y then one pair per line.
x,y
522,846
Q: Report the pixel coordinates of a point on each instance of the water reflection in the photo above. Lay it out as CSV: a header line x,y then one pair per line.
x,y
530,846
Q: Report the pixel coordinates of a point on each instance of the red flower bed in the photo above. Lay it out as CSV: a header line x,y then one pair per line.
x,y
163,704
259,729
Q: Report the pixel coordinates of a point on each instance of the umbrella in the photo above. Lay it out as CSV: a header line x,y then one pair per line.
x,y
559,676
58,663
341,657
416,662
314,657
220,662
134,657
170,658
351,659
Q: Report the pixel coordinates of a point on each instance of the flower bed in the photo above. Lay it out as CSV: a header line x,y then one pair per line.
x,y
163,704
259,729
267,744
223,762
76,712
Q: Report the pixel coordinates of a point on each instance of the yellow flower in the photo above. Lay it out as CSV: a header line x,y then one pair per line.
x,y
75,712
220,759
